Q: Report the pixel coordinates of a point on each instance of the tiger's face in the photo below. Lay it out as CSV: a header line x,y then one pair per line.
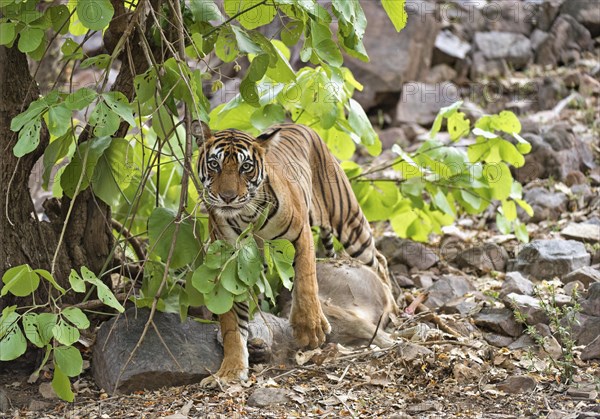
x,y
230,167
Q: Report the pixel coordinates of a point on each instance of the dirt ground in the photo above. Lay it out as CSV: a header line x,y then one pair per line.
x,y
457,379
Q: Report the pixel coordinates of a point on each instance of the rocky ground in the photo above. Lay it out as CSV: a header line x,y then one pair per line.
x,y
462,353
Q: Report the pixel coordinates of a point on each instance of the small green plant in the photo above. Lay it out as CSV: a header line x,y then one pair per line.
x,y
561,322
49,325
235,272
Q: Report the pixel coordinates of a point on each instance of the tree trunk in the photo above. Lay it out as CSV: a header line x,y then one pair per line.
x,y
88,240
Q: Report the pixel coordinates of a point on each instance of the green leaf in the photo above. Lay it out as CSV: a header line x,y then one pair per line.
x,y
283,253
101,61
441,201
204,278
509,208
471,198
249,262
12,341
69,360
59,120
71,50
161,228
291,32
458,125
62,385
506,121
359,121
30,39
396,13
30,326
226,46
114,171
230,280
104,293
521,232
445,112
48,277
65,333
95,14
257,14
29,138
219,300
93,149
402,222
80,99
7,33
34,110
77,317
249,92
282,72
245,42
119,104
525,206
522,144
56,151
340,143
218,253
77,283
20,281
324,46
45,324
502,223
60,17
205,11
500,180
510,154
258,68
105,121
145,85
269,115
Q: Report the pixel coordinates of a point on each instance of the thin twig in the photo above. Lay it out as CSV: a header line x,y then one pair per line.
x,y
131,239
376,331
94,304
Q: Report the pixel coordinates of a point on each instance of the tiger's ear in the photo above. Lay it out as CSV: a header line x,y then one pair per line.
x,y
268,134
201,131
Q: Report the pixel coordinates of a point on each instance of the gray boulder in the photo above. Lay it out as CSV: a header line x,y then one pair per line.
x,y
546,205
566,41
421,102
586,275
515,48
586,12
545,259
516,283
498,320
180,353
486,258
395,58
447,288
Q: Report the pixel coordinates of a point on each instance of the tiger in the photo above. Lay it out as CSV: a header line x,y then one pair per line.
x,y
289,172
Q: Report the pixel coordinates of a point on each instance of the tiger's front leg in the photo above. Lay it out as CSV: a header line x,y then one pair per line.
x,y
308,322
234,330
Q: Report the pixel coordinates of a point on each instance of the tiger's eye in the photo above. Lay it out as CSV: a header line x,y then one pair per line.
x,y
213,165
247,166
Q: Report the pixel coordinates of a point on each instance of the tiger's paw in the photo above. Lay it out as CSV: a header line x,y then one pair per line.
x,y
310,326
225,376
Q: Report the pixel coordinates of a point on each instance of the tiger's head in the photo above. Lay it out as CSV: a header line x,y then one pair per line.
x,y
230,167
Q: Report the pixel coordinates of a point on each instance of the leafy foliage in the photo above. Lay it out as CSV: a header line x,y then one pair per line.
x,y
55,331
465,174
233,272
